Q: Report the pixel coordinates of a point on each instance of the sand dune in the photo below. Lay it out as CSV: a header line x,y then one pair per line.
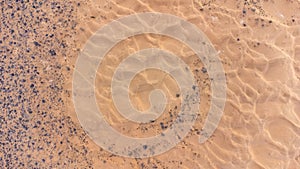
x,y
258,44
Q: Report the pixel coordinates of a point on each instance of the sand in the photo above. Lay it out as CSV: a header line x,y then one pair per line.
x,y
259,45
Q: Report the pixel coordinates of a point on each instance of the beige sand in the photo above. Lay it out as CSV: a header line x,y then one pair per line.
x,y
260,126
259,44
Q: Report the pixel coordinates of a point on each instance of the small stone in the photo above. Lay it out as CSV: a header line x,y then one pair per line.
x,y
36,43
204,70
52,52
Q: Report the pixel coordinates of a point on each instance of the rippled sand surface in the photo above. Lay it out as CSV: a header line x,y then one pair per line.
x,y
258,43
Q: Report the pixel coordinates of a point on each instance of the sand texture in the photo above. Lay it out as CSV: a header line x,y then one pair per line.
x,y
258,43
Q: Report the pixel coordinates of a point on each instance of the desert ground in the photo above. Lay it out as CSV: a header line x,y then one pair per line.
x,y
258,42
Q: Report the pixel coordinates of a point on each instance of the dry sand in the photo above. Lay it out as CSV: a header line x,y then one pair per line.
x,y
259,44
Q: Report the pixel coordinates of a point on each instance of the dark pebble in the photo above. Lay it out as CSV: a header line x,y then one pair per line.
x,y
52,52
204,70
36,43
193,87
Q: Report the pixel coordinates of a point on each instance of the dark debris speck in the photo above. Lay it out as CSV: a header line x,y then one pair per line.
x,y
52,52
36,43
204,70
